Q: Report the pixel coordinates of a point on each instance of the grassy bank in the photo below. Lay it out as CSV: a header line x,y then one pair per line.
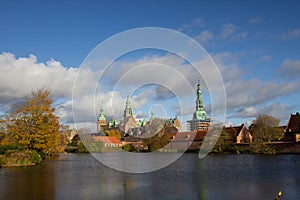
x,y
11,157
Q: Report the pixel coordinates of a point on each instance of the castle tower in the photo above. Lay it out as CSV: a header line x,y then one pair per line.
x,y
199,121
152,116
101,123
200,113
128,109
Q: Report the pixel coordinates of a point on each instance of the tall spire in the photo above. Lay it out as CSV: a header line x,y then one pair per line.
x,y
101,120
200,113
128,109
152,115
101,114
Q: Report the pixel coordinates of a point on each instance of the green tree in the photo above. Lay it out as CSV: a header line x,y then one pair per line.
x,y
225,143
265,130
33,124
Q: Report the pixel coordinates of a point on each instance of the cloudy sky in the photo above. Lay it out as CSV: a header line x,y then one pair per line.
x,y
255,46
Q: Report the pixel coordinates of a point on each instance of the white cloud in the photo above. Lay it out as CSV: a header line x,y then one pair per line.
x,y
278,110
204,36
244,93
230,31
290,68
290,35
19,76
265,58
226,62
256,20
169,71
197,22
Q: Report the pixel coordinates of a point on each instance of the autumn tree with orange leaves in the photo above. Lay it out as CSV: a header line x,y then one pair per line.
x,y
33,125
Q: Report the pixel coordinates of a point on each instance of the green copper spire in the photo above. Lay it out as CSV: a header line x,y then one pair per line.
x,y
128,110
101,115
152,115
200,112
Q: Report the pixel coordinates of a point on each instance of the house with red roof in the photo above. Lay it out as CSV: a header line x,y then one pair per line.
x,y
108,141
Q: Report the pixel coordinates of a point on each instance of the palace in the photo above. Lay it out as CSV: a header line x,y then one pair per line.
x,y
129,126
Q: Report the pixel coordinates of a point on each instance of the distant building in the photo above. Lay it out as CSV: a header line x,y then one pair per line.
x,y
199,121
292,130
127,122
189,140
175,123
101,123
239,134
108,141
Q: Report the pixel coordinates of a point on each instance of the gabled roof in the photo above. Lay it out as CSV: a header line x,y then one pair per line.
x,y
234,130
294,123
107,139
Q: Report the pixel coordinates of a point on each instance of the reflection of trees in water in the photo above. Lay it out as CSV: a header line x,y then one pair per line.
x,y
37,182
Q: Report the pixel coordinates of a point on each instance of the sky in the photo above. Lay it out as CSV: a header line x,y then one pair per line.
x,y
255,45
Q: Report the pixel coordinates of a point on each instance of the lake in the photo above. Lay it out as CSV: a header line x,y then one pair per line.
x,y
81,176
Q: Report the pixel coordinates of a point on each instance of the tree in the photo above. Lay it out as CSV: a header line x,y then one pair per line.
x,y
225,143
265,130
33,124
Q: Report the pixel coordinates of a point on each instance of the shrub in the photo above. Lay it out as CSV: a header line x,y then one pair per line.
x,y
17,158
128,147
35,157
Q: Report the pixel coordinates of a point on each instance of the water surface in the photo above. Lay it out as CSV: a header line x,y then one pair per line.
x,y
81,176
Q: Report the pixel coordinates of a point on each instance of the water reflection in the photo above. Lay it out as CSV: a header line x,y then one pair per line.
x,y
28,183
80,176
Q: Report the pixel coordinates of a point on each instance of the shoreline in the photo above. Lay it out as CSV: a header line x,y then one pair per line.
x,y
18,165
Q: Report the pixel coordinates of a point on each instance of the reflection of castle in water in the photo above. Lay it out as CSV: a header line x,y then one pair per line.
x,y
128,125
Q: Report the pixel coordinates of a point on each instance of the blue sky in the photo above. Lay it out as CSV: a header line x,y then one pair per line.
x,y
256,45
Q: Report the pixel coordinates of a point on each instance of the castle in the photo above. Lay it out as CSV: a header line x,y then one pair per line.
x,y
128,125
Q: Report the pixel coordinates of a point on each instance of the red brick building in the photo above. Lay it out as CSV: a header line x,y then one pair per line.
x,y
292,130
